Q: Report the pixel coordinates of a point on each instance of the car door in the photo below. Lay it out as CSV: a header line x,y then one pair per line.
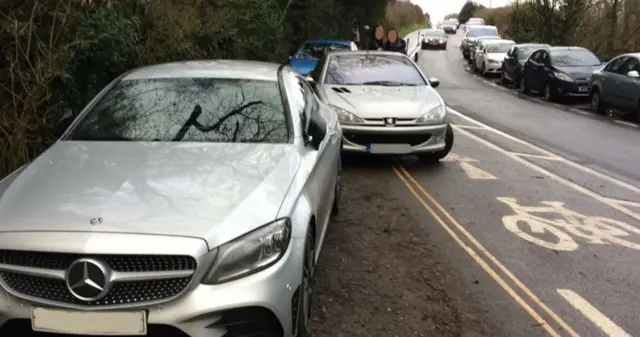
x,y
538,71
627,86
609,79
324,173
530,68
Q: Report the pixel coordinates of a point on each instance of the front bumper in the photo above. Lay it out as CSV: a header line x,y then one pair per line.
x,y
428,138
493,67
262,303
571,89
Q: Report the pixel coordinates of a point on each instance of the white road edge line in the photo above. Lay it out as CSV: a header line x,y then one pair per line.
x,y
593,314
585,169
472,127
625,123
529,155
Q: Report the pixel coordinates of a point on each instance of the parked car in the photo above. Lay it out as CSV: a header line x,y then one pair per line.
x,y
513,62
476,44
182,191
617,86
385,104
473,32
304,60
450,26
434,38
559,72
475,21
488,58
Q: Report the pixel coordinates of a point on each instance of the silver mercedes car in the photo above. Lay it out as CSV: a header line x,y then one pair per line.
x,y
385,104
187,199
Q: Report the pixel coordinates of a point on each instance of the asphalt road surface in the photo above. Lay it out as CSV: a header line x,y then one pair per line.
x,y
539,203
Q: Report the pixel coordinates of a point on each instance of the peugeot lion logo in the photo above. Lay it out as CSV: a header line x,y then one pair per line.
x,y
390,121
88,279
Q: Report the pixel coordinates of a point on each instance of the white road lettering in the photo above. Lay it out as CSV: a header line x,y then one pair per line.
x,y
564,226
593,314
471,171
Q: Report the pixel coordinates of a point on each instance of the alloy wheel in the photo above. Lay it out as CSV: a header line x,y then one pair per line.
x,y
595,102
306,287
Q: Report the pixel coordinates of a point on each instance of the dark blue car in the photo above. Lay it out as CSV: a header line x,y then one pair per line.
x,y
305,59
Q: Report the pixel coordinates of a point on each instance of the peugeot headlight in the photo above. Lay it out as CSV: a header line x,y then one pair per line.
x,y
433,116
250,253
347,117
563,77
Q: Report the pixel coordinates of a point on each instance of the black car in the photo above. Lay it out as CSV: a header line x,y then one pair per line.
x,y
559,72
434,39
514,62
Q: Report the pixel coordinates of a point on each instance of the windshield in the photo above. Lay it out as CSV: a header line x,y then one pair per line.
x,y
483,31
435,33
574,58
362,69
315,51
499,48
187,110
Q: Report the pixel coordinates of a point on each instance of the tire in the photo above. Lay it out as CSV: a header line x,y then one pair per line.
x,y
306,292
524,88
549,95
335,208
438,155
483,69
473,65
503,80
596,105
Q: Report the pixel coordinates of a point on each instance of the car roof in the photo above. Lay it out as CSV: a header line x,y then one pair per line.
x,y
482,26
365,52
239,69
498,41
541,45
434,30
327,41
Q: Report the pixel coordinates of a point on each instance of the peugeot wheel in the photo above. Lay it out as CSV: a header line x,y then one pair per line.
x,y
335,209
306,291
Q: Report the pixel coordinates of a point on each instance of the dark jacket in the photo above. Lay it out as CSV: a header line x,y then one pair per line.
x,y
400,46
374,43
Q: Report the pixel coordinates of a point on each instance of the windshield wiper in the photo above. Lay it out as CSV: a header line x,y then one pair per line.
x,y
389,83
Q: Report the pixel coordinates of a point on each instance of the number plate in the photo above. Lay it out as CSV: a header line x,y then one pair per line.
x,y
125,323
583,89
389,148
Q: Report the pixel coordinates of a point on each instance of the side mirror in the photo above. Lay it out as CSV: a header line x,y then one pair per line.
x,y
315,133
434,82
309,79
63,124
633,74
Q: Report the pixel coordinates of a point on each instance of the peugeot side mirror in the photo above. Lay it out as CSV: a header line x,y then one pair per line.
x,y
633,74
434,82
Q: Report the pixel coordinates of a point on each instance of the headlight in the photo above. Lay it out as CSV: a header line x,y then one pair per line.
x,y
434,116
347,117
563,77
250,253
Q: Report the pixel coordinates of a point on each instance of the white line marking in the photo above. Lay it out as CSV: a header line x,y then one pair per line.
x,y
604,200
575,165
472,172
472,127
537,156
625,123
582,112
593,314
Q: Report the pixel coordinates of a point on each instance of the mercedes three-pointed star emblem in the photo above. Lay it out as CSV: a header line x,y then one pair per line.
x,y
88,279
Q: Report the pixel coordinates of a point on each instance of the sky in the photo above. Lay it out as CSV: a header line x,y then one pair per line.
x,y
437,9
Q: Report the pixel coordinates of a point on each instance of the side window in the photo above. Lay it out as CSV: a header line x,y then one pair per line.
x,y
614,65
544,58
511,51
632,63
535,57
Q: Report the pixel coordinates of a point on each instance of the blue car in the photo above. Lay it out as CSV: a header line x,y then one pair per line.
x,y
305,59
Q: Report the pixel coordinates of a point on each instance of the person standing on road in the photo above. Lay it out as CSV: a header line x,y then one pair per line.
x,y
366,36
395,43
377,39
355,32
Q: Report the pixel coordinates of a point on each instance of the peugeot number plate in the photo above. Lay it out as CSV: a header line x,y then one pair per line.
x,y
583,89
114,323
389,148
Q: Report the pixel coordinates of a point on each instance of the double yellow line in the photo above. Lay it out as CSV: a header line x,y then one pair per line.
x,y
487,261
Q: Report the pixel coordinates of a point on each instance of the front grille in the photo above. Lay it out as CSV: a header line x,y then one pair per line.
x,y
366,139
249,322
122,263
121,293
22,328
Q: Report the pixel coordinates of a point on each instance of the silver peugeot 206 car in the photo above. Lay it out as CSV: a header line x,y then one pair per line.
x,y
385,104
187,199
